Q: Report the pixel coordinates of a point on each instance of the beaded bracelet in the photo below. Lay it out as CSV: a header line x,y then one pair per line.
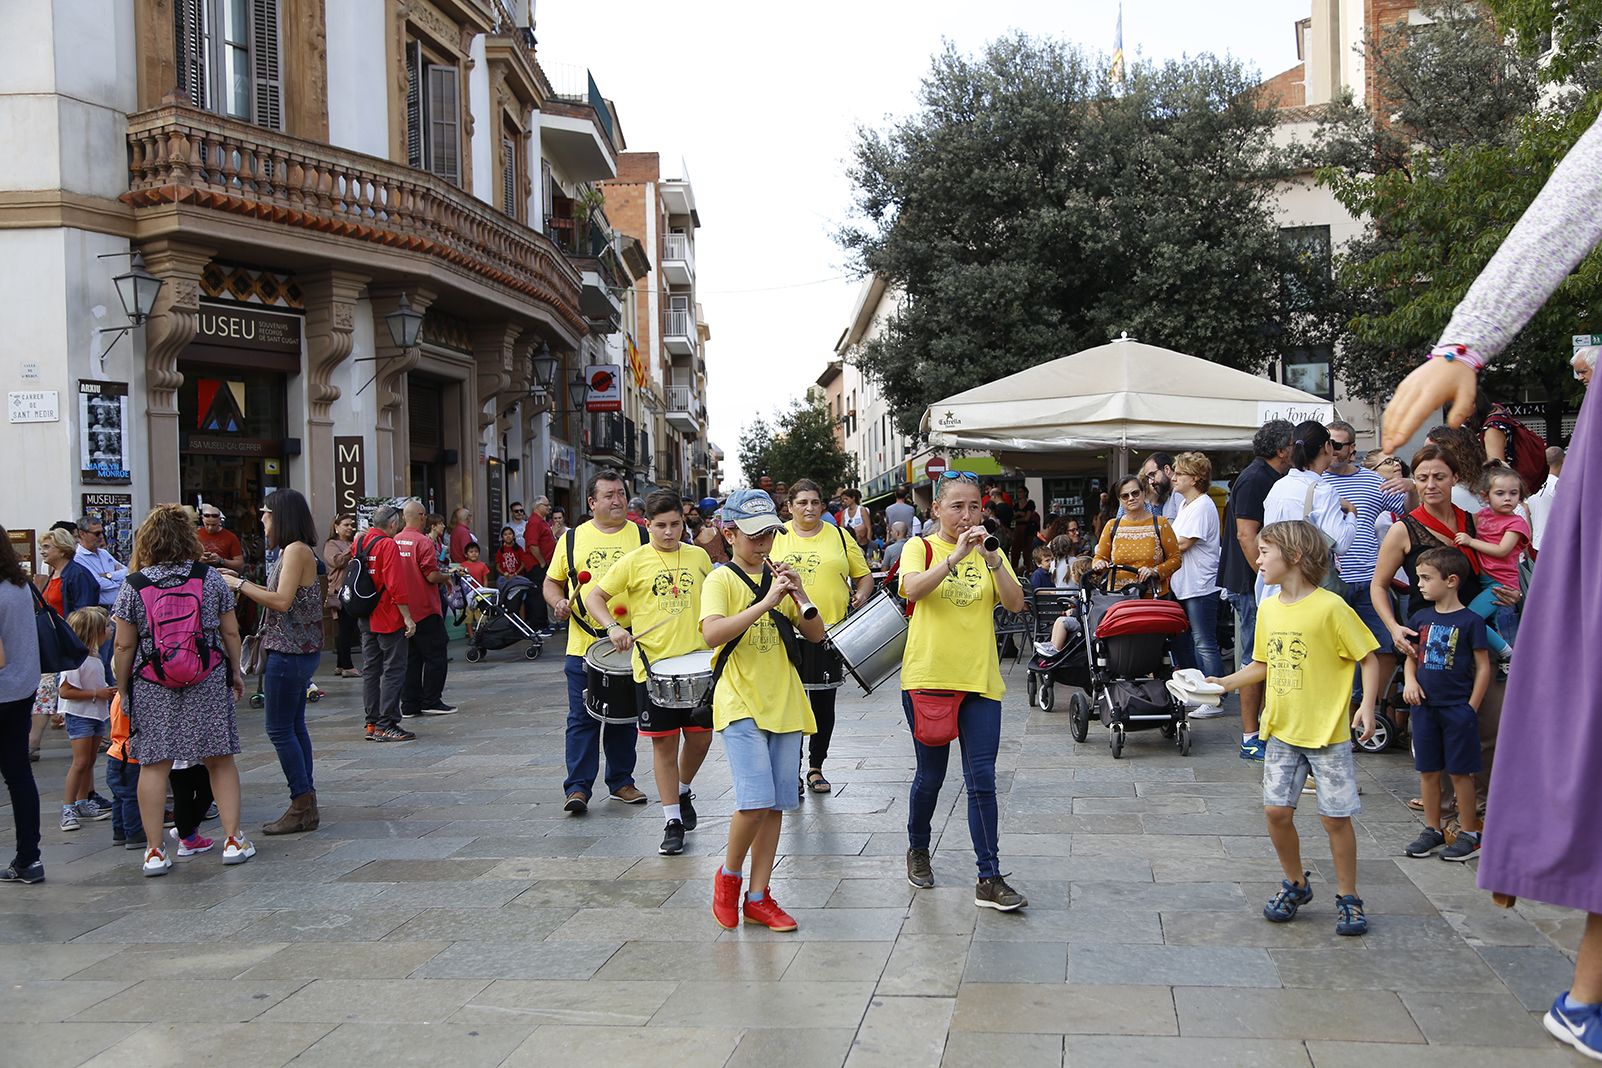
x,y
1459,354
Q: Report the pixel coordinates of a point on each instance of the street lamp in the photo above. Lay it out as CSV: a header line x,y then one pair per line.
x,y
577,389
545,366
405,324
137,289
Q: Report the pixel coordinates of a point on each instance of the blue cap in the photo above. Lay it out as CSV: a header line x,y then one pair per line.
x,y
752,511
708,505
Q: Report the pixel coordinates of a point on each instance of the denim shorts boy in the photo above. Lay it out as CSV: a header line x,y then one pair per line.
x,y
85,727
1446,738
1285,771
764,766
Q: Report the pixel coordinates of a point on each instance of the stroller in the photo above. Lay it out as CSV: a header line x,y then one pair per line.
x,y
1126,663
1070,667
500,620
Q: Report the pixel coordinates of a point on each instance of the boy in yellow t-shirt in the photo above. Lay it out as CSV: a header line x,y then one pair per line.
x,y
758,705
1308,640
658,586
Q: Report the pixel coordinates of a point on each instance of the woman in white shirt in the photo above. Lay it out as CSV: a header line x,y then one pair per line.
x,y
1303,494
1195,584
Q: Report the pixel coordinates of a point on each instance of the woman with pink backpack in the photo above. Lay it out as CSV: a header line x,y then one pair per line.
x,y
177,668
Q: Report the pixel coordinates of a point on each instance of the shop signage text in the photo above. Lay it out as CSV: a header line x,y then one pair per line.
x,y
243,328
35,406
605,388
350,473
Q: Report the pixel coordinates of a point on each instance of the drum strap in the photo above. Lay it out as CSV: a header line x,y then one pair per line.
x,y
792,647
579,612
717,668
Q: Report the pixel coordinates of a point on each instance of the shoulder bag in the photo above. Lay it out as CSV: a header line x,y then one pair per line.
x,y
1332,574
59,648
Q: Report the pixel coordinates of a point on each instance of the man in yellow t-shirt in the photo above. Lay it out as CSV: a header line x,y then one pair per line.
x,y
955,583
1308,641
758,706
583,557
658,587
834,570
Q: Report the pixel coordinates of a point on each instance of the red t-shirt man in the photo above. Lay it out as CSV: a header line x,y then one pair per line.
x,y
418,561
383,562
539,541
225,543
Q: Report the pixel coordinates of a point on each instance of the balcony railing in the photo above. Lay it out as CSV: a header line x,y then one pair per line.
x,y
681,399
577,85
678,259
179,154
607,435
678,333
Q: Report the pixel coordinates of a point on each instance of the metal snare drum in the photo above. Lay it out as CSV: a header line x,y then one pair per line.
x,y
609,684
821,666
680,681
871,640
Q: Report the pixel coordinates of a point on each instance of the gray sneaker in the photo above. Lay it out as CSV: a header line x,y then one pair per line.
x,y
1465,847
88,809
920,873
995,894
69,818
1427,842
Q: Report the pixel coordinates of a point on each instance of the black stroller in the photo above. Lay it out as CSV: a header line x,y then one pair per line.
x,y
500,617
1070,666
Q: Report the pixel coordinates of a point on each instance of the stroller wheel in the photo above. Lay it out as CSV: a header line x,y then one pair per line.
x,y
533,651
474,654
1184,739
1079,715
1169,731
257,700
1117,742
1046,697
1033,685
1384,735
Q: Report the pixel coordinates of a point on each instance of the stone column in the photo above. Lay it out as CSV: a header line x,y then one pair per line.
x,y
168,331
392,453
331,297
495,353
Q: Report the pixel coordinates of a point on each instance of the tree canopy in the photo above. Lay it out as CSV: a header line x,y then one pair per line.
x,y
797,443
1029,208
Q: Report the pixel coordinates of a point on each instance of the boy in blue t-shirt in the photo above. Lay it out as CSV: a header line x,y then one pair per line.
x,y
1445,682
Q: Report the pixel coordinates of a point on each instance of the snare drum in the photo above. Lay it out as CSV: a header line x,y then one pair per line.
x,y
680,681
609,684
871,640
821,666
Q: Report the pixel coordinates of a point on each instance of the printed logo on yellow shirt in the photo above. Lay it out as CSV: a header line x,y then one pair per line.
x,y
1285,659
672,588
600,561
964,584
805,563
763,634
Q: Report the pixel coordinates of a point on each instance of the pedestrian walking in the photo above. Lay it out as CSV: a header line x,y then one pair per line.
x,y
1195,584
385,630
951,679
426,662
19,682
1138,541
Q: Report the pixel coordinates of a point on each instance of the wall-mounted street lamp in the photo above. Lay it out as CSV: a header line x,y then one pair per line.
x,y
137,288
405,328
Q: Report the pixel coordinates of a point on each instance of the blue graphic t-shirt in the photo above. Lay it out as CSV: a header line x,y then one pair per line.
x,y
1446,644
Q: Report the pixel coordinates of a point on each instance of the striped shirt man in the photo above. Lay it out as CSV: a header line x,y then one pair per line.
x,y
1361,489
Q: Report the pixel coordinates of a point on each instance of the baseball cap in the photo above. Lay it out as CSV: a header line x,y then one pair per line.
x,y
752,511
708,505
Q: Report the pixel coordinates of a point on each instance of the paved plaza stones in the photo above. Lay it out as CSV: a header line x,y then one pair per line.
x,y
449,912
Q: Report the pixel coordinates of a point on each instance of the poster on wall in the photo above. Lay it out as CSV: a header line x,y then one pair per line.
x,y
366,506
103,433
115,512
605,388
24,544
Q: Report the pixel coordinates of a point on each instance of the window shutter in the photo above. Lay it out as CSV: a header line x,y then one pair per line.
x,y
509,176
444,120
414,105
267,85
189,37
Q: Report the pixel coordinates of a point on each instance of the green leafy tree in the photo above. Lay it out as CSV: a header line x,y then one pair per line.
x,y
1461,146
1029,209
798,443
1571,28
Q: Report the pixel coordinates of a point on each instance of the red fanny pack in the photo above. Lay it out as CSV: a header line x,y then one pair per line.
x,y
934,715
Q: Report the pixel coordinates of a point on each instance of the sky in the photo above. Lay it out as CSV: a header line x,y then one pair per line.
x,y
759,105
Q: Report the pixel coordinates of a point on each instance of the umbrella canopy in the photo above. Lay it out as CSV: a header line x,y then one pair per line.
x,y
1125,394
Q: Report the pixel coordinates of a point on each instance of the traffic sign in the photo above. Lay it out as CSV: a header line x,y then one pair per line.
x,y
935,467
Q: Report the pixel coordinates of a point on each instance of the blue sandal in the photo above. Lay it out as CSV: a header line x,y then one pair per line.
x,y
1292,896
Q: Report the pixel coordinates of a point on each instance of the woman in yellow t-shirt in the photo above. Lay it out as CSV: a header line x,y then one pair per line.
x,y
831,564
955,584
1138,539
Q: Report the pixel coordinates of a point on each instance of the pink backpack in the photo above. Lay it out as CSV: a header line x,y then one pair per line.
x,y
183,653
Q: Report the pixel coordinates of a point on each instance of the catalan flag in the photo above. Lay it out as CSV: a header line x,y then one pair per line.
x,y
1116,73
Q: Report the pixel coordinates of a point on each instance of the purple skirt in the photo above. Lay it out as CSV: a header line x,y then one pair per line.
x,y
1543,837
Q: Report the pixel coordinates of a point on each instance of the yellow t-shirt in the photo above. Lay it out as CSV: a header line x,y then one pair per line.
x,y
660,586
595,553
1310,648
951,638
760,683
829,562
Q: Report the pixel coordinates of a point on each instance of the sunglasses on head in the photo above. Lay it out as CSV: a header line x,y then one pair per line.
x,y
966,476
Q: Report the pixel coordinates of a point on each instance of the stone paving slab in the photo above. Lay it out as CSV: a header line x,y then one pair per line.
x,y
448,911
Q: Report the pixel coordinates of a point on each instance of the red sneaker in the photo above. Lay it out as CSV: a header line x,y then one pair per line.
x,y
726,899
768,914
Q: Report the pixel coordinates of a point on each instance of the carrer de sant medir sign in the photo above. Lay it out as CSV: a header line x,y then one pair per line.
x,y
228,326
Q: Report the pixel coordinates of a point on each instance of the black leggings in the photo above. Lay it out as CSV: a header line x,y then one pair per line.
x,y
191,797
347,638
15,719
823,712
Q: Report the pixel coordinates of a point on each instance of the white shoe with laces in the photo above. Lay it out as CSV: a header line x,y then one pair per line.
x,y
156,861
237,850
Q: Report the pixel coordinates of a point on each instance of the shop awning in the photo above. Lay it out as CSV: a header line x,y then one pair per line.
x,y
1124,394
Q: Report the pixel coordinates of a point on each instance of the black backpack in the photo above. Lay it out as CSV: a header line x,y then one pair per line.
x,y
359,594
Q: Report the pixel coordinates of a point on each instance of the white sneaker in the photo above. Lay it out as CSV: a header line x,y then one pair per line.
x,y
1046,649
237,850
156,861
1205,712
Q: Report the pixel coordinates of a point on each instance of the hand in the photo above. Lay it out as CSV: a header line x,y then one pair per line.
x,y
1462,538
1399,484
1402,639
563,609
411,627
622,640
1215,681
238,686
783,586
1424,392
209,557
1147,573
1364,721
1413,693
856,597
1346,506
1508,596
967,541
106,693
1098,565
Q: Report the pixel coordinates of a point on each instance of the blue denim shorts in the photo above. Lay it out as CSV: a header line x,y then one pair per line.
x,y
84,727
1285,771
1446,738
765,767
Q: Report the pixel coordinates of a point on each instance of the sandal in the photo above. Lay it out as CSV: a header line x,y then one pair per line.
x,y
1417,805
817,783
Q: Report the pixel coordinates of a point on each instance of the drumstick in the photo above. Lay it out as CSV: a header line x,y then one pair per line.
x,y
653,626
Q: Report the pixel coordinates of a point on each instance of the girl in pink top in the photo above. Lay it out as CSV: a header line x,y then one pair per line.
x,y
1503,534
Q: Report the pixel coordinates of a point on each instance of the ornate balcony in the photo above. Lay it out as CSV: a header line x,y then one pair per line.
x,y
182,158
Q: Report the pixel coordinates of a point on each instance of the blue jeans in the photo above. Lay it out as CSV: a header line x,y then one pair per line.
x,y
1245,606
284,691
122,779
585,741
1198,647
979,733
